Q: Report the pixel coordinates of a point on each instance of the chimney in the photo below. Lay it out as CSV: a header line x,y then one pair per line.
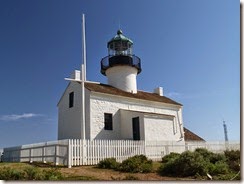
x,y
75,75
159,91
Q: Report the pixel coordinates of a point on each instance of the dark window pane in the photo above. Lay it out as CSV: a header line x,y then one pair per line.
x,y
108,121
71,99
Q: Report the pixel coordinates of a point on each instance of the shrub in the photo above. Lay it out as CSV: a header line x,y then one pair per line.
x,y
220,167
199,163
191,163
29,173
168,168
11,174
52,174
32,173
204,152
108,163
171,156
217,157
187,164
232,155
233,159
138,163
210,156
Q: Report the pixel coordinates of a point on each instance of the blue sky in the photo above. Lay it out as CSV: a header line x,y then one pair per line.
x,y
189,47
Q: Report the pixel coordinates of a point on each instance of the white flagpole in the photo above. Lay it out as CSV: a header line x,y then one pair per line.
x,y
84,44
83,76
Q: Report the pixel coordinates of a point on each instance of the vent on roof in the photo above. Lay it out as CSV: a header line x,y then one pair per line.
x,y
75,75
159,91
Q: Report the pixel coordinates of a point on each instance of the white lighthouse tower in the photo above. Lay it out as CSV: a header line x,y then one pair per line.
x,y
121,66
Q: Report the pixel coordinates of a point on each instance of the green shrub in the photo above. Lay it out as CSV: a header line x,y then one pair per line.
x,y
7,173
138,163
168,168
52,174
33,173
29,173
210,156
187,164
171,156
232,155
191,163
217,157
234,165
233,159
200,162
220,167
204,152
146,167
108,163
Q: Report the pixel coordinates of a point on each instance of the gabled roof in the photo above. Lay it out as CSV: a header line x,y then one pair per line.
x,y
190,136
104,88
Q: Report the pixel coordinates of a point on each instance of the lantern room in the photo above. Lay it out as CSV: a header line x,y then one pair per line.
x,y
120,45
120,53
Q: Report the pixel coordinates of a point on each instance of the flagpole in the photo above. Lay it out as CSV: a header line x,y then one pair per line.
x,y
83,76
84,44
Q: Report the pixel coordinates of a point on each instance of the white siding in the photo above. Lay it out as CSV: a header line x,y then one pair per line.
x,y
69,119
160,129
102,103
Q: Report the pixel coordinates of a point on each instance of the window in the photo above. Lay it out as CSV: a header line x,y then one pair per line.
x,y
71,99
108,121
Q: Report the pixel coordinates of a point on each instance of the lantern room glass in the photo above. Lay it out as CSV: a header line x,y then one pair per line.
x,y
120,48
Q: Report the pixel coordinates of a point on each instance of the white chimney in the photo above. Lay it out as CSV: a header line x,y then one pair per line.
x,y
75,75
159,91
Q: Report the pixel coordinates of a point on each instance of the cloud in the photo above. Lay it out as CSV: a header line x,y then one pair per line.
x,y
15,117
173,95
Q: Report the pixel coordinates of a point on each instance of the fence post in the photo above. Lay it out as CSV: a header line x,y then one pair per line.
x,y
84,156
69,155
144,150
30,155
43,154
56,154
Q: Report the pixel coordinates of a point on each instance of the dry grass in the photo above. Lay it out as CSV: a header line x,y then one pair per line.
x,y
87,173
94,173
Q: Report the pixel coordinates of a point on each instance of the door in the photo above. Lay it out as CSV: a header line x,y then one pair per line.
x,y
136,128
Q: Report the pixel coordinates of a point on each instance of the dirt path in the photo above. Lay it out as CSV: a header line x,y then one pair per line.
x,y
106,174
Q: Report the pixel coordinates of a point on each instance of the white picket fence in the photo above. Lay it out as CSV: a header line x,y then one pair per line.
x,y
74,152
53,151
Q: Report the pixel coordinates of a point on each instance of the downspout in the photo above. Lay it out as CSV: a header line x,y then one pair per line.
x,y
180,126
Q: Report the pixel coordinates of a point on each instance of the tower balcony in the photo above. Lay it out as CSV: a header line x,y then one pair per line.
x,y
129,60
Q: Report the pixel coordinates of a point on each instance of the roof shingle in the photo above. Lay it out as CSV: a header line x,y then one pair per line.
x,y
190,136
104,88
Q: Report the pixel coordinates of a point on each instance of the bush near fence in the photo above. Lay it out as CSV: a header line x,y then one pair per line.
x,y
200,163
135,164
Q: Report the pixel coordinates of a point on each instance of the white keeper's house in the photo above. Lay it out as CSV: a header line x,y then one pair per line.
x,y
118,110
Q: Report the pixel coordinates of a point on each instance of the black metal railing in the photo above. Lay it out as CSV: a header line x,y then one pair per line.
x,y
130,60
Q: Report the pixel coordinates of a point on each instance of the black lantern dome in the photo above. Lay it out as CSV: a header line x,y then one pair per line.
x,y
120,53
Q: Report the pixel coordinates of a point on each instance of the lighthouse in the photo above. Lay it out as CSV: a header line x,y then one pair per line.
x,y
121,66
117,110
